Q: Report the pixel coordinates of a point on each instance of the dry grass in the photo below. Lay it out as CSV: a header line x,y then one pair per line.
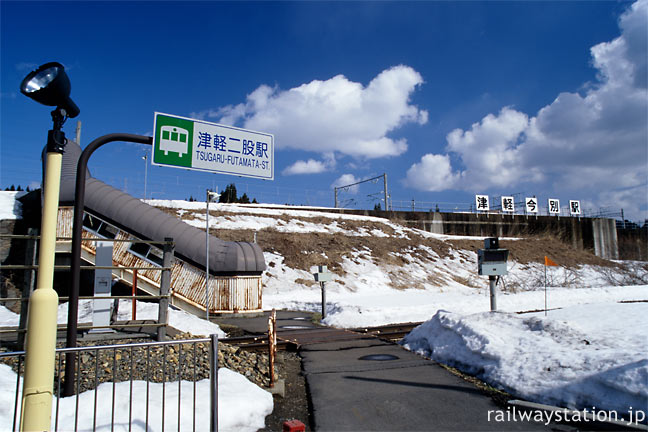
x,y
302,251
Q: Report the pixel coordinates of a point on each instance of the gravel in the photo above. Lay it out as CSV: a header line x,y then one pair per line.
x,y
162,363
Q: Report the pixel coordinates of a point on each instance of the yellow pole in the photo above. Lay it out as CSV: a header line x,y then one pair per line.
x,y
43,305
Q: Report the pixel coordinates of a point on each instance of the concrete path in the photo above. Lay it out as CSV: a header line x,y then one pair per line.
x,y
365,384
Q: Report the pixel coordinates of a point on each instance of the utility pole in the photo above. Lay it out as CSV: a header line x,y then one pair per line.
x,y
210,194
78,133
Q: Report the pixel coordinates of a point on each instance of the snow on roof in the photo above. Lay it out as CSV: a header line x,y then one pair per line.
x,y
10,207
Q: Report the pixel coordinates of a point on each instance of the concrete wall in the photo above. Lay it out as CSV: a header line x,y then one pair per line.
x,y
633,243
597,235
606,244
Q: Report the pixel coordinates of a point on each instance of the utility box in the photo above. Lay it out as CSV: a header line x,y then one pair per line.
x,y
492,260
322,275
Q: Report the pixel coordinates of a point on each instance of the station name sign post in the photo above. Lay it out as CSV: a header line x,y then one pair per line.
x,y
182,142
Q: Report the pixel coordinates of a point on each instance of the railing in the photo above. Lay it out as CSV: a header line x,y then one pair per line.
x,y
142,385
31,267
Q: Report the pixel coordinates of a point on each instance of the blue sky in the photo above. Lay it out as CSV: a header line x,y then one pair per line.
x,y
450,99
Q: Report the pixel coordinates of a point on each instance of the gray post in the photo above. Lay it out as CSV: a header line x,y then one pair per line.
x,y
336,200
145,157
28,287
78,133
323,286
213,388
165,288
493,293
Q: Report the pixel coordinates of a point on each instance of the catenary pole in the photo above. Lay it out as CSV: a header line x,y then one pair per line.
x,y
386,194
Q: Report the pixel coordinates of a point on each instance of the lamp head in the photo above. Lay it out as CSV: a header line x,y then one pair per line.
x,y
50,85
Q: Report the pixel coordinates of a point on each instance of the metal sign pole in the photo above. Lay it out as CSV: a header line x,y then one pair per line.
x,y
323,285
207,260
493,293
545,290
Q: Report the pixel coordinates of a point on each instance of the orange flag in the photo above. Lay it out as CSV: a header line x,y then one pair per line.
x,y
549,262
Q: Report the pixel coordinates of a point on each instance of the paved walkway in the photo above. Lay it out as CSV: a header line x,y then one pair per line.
x,y
360,383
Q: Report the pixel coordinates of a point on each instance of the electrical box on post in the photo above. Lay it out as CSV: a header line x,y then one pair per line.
x,y
492,260
322,275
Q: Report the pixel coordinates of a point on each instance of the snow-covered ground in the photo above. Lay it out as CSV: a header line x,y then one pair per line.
x,y
591,356
242,406
590,351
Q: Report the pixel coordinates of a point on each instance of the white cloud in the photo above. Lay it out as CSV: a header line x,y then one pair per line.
x,y
310,166
347,179
593,144
432,174
336,115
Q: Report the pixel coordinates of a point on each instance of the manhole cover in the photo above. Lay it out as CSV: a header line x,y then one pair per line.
x,y
379,357
294,327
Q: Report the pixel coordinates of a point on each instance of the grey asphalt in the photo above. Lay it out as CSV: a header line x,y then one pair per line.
x,y
401,392
407,393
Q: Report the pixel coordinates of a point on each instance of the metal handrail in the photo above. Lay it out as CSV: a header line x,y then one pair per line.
x,y
37,237
64,298
64,267
89,327
129,348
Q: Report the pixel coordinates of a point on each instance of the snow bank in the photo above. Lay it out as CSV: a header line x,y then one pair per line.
x,y
579,357
242,406
10,207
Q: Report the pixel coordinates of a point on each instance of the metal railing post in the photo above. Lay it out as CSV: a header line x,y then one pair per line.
x,y
165,288
272,344
213,388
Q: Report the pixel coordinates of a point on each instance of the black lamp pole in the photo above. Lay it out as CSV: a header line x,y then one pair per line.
x,y
77,227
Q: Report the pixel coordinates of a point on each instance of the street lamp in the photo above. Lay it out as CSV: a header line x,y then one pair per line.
x,y
48,85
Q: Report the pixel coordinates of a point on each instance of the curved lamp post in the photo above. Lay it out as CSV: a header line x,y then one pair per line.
x,y
48,85
77,228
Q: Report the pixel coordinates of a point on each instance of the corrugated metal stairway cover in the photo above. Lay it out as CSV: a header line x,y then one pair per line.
x,y
150,223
